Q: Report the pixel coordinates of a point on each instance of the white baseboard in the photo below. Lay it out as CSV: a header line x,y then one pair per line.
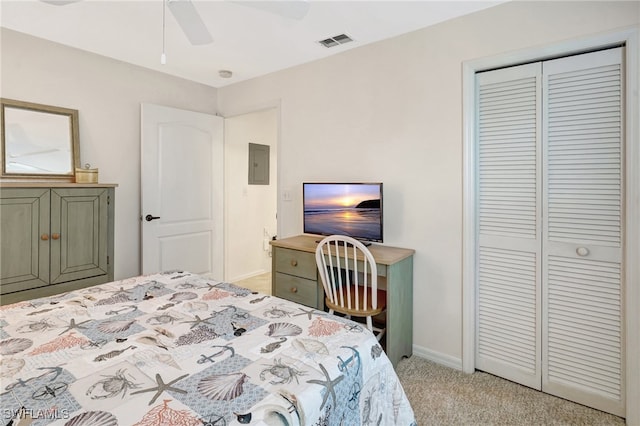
x,y
247,276
438,357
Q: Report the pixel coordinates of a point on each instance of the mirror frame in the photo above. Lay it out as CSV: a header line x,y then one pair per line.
x,y
74,142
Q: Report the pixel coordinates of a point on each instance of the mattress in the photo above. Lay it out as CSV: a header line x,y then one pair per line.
x,y
176,348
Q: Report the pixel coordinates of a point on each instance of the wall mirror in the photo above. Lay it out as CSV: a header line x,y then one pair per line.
x,y
38,141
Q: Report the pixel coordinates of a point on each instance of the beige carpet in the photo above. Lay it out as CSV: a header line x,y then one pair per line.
x,y
444,396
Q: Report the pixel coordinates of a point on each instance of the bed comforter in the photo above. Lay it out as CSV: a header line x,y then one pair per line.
x,y
179,349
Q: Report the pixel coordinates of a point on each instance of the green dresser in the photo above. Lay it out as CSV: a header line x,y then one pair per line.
x,y
54,238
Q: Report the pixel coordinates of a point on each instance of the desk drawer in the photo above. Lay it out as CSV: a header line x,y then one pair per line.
x,y
296,289
294,262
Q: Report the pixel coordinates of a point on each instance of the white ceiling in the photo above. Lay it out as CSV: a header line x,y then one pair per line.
x,y
246,40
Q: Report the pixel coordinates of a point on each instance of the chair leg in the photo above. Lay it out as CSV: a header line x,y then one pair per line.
x,y
381,332
370,324
378,332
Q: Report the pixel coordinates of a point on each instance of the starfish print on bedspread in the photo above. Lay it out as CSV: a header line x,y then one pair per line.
x,y
211,286
162,386
309,313
72,325
328,384
196,322
121,291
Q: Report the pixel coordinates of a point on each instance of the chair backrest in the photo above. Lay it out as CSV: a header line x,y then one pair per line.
x,y
343,262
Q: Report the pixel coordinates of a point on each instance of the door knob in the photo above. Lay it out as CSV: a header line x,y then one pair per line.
x,y
55,236
149,218
44,237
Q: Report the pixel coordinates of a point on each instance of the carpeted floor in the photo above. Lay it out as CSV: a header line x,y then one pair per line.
x,y
443,396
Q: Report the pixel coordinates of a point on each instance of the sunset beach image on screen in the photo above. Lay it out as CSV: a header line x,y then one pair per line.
x,y
353,209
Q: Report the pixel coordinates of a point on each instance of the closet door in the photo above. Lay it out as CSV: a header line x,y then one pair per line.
x,y
582,234
509,205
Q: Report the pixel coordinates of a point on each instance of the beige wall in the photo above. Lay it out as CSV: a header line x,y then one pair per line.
x,y
392,112
249,209
107,94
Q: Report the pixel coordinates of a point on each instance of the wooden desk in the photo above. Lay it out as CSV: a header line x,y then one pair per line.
x,y
294,276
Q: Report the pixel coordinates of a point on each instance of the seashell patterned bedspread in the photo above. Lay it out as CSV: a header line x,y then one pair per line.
x,y
178,349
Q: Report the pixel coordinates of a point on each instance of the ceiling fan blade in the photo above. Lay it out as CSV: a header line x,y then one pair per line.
x,y
292,9
190,21
59,2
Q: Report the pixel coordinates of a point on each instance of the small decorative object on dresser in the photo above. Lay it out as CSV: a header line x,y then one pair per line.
x,y
56,237
86,175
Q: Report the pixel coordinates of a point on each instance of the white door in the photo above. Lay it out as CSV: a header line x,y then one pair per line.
x,y
550,288
182,191
582,295
509,205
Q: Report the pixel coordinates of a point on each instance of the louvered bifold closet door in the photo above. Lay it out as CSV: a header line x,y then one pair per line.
x,y
508,252
582,236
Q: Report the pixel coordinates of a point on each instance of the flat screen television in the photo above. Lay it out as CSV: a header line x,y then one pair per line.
x,y
353,209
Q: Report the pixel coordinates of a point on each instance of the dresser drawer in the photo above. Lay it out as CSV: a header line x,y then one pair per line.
x,y
296,289
294,262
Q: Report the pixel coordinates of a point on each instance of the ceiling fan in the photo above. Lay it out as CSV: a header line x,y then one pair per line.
x,y
194,27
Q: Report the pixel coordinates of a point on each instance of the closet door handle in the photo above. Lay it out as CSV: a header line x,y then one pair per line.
x,y
55,236
149,217
44,237
582,251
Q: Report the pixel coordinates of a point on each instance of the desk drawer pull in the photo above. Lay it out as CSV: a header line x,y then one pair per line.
x,y
294,262
294,289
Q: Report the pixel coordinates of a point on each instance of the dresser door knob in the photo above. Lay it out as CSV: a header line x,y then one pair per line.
x,y
294,289
294,262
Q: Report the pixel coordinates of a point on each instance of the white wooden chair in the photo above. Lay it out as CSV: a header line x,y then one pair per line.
x,y
350,279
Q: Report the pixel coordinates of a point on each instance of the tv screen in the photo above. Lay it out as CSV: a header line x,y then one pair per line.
x,y
353,209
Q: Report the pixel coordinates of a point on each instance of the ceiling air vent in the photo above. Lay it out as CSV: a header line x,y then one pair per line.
x,y
335,40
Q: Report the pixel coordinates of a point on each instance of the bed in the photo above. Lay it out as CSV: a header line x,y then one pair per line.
x,y
176,348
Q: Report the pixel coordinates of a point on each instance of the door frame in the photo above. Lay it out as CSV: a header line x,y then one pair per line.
x,y
630,37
